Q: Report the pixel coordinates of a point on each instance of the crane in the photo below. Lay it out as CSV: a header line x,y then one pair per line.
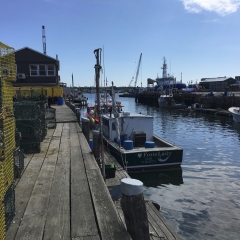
x,y
44,40
130,82
139,63
137,72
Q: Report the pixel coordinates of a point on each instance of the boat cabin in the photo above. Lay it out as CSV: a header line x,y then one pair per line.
x,y
135,127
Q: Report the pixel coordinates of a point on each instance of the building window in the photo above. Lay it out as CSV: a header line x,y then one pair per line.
x,y
50,70
42,70
33,70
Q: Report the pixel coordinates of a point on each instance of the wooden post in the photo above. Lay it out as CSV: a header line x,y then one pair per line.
x,y
96,144
134,209
76,109
72,106
78,114
86,127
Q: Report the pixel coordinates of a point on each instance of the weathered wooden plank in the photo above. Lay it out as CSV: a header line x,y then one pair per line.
x,y
32,224
89,160
87,238
65,141
159,223
83,222
108,221
58,217
25,187
64,114
58,130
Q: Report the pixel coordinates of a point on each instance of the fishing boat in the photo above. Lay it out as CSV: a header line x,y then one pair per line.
x,y
138,148
235,111
79,98
129,138
166,100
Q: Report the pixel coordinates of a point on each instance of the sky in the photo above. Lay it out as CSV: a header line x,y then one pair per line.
x,y
198,38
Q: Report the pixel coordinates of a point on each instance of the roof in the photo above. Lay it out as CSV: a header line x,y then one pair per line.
x,y
36,52
219,79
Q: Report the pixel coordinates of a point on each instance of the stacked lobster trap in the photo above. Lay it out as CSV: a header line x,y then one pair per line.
x,y
30,122
7,137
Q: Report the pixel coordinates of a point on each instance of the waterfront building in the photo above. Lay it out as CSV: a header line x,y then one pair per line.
x,y
217,84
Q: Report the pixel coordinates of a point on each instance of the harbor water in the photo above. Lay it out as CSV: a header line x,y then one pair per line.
x,y
200,200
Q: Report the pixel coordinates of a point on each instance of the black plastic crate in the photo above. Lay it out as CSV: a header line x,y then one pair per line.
x,y
110,171
139,139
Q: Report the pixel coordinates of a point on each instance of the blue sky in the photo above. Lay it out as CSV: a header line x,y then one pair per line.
x,y
199,38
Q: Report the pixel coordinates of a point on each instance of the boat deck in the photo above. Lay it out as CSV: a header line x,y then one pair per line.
x,y
62,195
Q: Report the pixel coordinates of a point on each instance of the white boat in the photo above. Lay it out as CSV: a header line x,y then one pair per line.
x,y
130,139
235,111
166,100
137,148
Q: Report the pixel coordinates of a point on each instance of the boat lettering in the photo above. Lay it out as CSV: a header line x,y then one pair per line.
x,y
152,154
152,157
163,156
148,160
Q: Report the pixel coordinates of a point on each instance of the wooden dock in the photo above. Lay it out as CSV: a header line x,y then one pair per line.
x,y
62,195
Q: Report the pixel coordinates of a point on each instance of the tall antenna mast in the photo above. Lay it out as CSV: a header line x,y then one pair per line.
x,y
164,68
44,40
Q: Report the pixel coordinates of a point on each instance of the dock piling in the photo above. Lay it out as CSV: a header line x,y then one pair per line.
x,y
134,209
86,127
96,144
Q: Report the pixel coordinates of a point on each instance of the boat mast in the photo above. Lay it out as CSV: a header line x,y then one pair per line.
x,y
98,68
116,115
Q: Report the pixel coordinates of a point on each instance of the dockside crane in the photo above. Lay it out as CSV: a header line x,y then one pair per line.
x,y
136,78
44,40
137,72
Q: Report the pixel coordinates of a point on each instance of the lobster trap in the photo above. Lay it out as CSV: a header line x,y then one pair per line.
x,y
7,63
7,136
6,97
9,206
8,171
2,222
18,138
51,118
26,109
30,129
30,147
18,156
36,94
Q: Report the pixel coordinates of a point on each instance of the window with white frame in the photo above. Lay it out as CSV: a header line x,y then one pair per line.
x,y
42,70
33,70
51,70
